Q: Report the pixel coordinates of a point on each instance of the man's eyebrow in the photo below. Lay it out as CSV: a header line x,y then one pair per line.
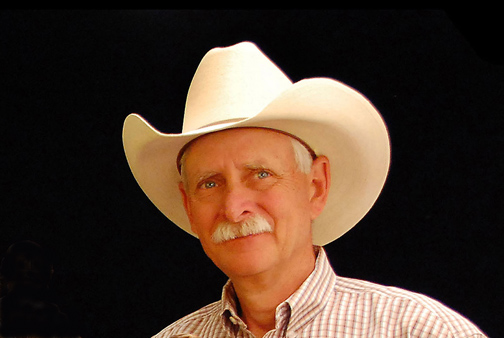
x,y
259,166
255,166
200,177
206,175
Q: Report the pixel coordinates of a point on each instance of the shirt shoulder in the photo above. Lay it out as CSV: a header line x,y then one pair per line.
x,y
408,309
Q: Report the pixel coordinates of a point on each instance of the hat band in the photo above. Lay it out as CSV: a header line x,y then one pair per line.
x,y
235,120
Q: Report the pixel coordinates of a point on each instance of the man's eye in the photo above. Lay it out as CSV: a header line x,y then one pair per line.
x,y
209,185
263,174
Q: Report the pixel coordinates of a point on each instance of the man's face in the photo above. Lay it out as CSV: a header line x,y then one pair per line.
x,y
232,175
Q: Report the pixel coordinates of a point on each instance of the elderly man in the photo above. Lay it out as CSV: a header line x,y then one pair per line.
x,y
264,173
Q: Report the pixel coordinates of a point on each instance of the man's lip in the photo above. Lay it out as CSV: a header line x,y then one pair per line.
x,y
247,236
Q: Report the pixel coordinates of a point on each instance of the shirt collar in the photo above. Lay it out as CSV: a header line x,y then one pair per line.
x,y
301,307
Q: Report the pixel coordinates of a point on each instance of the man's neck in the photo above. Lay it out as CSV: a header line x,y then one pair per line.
x,y
260,295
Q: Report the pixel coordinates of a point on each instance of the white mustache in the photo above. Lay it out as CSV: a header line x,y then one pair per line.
x,y
253,225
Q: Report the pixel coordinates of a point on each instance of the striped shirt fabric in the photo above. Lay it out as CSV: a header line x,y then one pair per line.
x,y
327,305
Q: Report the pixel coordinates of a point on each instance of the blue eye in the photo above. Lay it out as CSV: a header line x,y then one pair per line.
x,y
263,174
208,185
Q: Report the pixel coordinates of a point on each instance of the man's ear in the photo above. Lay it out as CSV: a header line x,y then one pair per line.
x,y
320,176
185,201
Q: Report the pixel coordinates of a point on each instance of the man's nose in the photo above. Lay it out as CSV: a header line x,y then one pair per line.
x,y
237,203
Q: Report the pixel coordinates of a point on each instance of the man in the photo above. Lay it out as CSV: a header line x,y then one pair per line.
x,y
264,173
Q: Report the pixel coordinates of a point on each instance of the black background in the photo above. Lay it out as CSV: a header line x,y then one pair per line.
x,y
69,78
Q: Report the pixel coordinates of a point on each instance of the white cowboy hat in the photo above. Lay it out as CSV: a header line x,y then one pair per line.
x,y
239,86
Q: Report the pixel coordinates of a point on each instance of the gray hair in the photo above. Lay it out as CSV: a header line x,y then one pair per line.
x,y
304,159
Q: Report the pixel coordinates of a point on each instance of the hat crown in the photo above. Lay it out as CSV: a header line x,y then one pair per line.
x,y
232,84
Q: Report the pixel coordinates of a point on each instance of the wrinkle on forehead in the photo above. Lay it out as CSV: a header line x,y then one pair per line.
x,y
269,138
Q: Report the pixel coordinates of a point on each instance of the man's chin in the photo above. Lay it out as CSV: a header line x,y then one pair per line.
x,y
247,256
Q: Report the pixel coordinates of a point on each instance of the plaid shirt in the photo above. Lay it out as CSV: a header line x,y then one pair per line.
x,y
327,305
